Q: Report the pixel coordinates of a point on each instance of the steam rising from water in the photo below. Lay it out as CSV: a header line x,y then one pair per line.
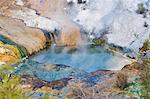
x,y
86,58
55,9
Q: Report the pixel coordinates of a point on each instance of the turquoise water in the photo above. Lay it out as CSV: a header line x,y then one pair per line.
x,y
88,58
69,62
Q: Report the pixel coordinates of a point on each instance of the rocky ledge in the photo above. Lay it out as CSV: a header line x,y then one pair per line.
x,y
15,30
27,25
98,84
126,21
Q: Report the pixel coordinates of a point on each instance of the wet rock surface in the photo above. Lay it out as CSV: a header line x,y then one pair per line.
x,y
49,72
36,82
100,81
26,25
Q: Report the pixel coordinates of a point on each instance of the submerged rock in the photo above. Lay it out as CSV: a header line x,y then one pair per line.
x,y
36,83
62,85
98,83
51,76
49,72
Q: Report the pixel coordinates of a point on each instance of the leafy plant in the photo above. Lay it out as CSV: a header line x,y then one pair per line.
x,y
10,84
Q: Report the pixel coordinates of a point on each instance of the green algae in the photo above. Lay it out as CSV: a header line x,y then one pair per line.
x,y
135,88
98,42
22,50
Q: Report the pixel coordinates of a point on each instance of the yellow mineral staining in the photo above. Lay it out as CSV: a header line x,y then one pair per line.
x,y
146,46
49,67
47,90
9,53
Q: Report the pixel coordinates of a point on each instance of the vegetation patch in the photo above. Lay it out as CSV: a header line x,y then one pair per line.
x,y
145,76
141,9
99,42
10,87
146,46
22,50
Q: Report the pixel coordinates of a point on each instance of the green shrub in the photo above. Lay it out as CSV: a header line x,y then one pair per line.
x,y
10,84
99,42
146,46
141,9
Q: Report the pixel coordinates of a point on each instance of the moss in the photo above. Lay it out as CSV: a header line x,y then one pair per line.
x,y
141,9
99,42
146,46
145,76
6,40
22,50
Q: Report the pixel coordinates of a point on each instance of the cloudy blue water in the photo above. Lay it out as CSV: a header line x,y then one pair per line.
x,y
88,59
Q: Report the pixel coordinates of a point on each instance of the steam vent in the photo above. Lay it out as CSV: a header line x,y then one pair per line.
x,y
74,49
